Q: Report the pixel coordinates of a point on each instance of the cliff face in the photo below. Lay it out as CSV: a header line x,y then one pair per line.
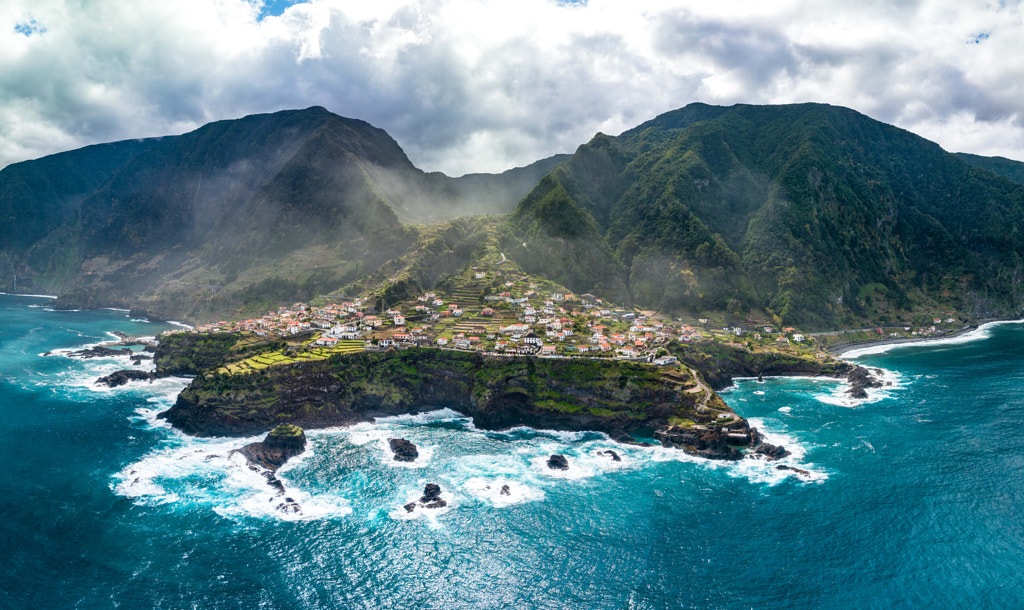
x,y
613,397
718,363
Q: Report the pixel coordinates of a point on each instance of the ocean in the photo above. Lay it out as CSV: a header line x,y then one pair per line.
x,y
913,497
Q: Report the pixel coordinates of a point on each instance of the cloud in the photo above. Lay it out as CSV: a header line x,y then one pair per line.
x,y
483,85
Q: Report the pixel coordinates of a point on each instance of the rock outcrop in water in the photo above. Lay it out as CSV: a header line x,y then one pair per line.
x,y
860,379
100,351
431,498
705,441
771,452
266,456
718,442
404,450
119,378
558,462
282,443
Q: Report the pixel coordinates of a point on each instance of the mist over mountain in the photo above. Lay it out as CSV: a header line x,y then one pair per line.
x,y
240,212
811,214
815,214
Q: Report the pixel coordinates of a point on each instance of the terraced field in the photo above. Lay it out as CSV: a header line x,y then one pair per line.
x,y
277,357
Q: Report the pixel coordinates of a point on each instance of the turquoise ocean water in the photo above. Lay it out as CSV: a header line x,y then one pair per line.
x,y
913,498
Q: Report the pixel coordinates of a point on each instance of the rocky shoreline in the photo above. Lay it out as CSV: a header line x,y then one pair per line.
x,y
606,396
267,456
122,348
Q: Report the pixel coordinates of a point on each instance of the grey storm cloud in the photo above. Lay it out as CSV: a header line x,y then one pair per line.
x,y
754,54
482,85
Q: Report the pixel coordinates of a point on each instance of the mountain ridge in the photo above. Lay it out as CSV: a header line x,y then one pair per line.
x,y
288,203
805,213
810,212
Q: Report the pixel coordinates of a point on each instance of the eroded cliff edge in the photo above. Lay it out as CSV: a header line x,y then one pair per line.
x,y
608,396
673,404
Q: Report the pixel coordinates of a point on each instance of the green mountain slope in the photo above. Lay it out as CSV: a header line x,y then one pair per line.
x,y
815,214
38,196
1007,168
499,193
233,216
807,214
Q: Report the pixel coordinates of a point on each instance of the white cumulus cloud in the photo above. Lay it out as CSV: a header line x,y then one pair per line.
x,y
483,85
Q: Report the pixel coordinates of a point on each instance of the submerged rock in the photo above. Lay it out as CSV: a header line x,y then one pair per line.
x,y
404,450
505,491
796,470
558,462
615,456
289,506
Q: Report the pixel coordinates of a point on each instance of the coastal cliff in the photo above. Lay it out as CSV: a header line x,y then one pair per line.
x,y
674,404
609,396
719,363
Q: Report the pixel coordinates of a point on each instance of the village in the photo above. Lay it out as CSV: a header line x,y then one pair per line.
x,y
505,312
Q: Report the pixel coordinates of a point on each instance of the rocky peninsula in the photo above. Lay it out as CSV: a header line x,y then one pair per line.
x,y
677,405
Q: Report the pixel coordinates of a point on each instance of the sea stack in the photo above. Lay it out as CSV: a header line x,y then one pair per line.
x,y
404,450
558,462
282,443
431,498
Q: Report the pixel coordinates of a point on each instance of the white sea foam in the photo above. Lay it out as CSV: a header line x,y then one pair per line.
x,y
562,436
180,324
892,381
201,472
982,332
206,472
36,296
419,512
489,489
423,418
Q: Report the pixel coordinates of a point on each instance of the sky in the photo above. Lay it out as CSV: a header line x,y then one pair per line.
x,y
485,85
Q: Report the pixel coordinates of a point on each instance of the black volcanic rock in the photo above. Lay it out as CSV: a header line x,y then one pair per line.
x,y
791,469
771,452
282,443
558,462
101,352
615,456
404,450
119,378
705,441
431,498
431,492
860,379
